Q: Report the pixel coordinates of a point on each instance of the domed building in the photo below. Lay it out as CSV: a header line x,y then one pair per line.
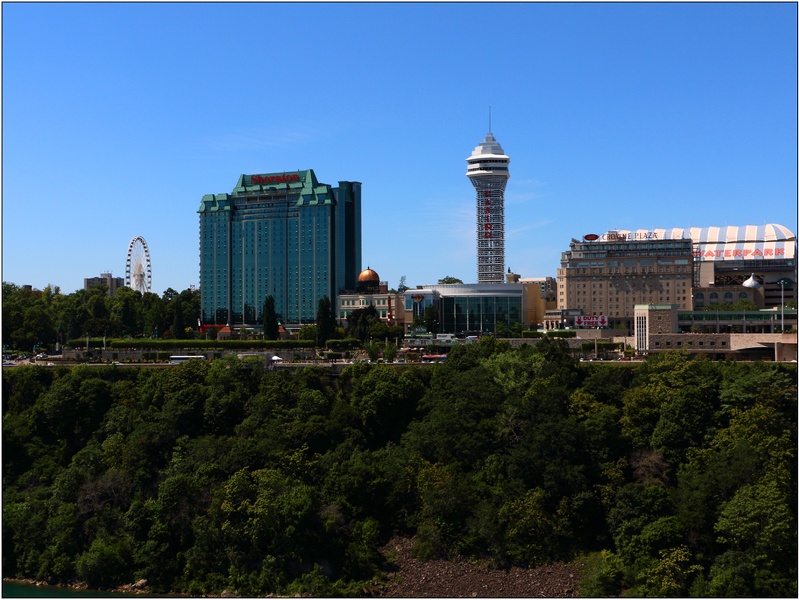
x,y
371,291
368,282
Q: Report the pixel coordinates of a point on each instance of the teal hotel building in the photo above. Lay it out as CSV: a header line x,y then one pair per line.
x,y
279,234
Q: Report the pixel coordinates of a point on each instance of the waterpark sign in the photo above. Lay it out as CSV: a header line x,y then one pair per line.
x,y
746,253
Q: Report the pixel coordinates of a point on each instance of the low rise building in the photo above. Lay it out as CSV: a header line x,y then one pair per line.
x,y
752,335
108,280
371,292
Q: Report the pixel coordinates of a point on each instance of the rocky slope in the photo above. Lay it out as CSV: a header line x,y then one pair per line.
x,y
412,578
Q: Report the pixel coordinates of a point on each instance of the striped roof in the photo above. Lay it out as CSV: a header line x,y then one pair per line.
x,y
730,242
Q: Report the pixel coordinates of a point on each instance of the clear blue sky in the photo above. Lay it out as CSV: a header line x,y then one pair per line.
x,y
118,118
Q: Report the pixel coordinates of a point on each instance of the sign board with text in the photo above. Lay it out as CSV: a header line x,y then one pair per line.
x,y
591,321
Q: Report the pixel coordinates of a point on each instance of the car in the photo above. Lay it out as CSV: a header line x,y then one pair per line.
x,y
41,356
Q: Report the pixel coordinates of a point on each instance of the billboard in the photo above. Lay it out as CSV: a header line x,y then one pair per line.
x,y
591,321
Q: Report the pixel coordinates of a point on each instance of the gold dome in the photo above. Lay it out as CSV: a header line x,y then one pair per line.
x,y
368,276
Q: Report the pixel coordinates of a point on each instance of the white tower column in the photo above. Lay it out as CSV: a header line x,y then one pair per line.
x,y
487,168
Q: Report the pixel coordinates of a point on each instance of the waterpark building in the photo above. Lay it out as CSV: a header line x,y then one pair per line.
x,y
605,276
279,234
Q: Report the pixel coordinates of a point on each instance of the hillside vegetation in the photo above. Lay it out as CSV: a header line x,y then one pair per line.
x,y
673,478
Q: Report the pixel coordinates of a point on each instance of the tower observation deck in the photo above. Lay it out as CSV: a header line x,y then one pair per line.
x,y
487,168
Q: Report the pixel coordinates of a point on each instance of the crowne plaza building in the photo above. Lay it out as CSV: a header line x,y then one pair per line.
x,y
279,234
607,275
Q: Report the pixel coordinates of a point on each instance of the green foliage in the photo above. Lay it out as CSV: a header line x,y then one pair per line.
x,y
271,326
210,344
431,319
47,318
561,334
325,322
673,478
345,344
532,334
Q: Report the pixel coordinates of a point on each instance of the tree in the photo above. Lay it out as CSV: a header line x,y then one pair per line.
x,y
402,285
178,327
325,321
449,279
390,351
359,322
431,319
307,332
270,319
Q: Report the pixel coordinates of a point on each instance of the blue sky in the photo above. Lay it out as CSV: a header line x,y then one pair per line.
x,y
118,118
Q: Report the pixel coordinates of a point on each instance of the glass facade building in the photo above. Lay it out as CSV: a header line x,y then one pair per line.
x,y
281,234
468,308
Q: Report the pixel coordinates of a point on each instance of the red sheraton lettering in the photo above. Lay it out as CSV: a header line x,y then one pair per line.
x,y
274,178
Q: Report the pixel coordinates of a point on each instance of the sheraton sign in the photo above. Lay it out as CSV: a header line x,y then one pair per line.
x,y
274,178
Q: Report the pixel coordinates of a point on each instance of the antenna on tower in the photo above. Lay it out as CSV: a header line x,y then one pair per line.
x,y
489,119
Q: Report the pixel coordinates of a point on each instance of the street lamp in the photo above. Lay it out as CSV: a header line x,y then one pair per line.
x,y
782,283
751,283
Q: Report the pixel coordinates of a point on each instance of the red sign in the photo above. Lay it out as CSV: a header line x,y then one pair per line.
x,y
274,178
747,253
591,237
591,321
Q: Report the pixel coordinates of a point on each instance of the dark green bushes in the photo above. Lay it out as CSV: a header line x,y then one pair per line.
x,y
675,478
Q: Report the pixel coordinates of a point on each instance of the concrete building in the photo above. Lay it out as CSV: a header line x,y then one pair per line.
x,y
106,279
540,296
280,234
750,335
605,277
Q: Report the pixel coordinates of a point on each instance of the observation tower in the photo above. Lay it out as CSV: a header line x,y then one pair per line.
x,y
487,168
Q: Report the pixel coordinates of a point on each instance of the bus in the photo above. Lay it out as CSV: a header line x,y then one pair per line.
x,y
176,360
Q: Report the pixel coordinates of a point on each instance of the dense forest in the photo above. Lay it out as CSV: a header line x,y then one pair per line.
x,y
47,317
675,477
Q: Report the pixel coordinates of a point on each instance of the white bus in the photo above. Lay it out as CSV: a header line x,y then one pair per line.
x,y
176,360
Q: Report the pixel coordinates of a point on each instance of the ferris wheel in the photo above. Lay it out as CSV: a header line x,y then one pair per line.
x,y
138,269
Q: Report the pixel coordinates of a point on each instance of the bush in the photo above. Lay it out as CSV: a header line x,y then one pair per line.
x,y
601,576
532,334
561,334
105,564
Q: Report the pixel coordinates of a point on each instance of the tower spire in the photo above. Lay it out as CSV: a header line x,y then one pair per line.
x,y
489,119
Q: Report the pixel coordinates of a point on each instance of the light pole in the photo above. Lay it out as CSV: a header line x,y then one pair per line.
x,y
782,306
753,284
782,283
